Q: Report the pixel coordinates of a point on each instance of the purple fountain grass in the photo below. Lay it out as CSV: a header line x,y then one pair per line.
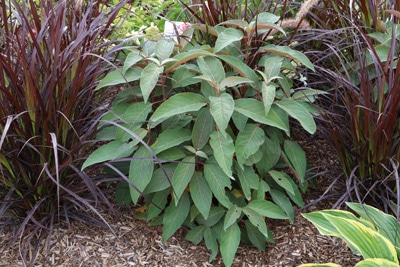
x,y
51,58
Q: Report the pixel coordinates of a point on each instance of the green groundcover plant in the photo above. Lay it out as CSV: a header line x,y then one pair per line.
x,y
375,235
201,135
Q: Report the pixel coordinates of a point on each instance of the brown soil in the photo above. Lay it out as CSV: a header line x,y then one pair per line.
x,y
137,244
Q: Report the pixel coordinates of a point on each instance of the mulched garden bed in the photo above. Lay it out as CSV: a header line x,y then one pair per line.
x,y
137,244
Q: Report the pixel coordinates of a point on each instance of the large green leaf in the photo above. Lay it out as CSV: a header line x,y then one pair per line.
x,y
268,92
214,85
110,151
232,81
132,118
215,215
264,27
253,159
131,59
236,23
368,242
283,180
295,196
239,120
271,150
298,112
129,132
202,128
267,209
296,157
187,56
140,172
164,49
248,142
174,216
252,109
223,149
161,178
207,90
263,187
117,109
171,138
272,68
177,121
248,179
255,236
182,176
382,51
231,216
276,117
196,234
177,104
257,220
171,154
158,202
283,202
201,194
149,78
212,69
255,110
268,95
147,49
210,239
286,51
240,67
227,37
265,17
218,181
221,108
387,225
376,262
323,225
230,239
122,196
119,76
183,77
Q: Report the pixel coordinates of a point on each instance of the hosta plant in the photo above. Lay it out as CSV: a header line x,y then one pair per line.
x,y
50,63
374,235
203,137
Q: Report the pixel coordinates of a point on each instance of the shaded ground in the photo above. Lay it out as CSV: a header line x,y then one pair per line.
x,y
137,244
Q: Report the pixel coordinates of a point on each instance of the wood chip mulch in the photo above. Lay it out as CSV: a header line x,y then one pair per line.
x,y
140,245
137,244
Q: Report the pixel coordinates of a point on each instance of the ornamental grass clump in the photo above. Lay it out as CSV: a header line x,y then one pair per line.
x,y
355,56
365,124
51,57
